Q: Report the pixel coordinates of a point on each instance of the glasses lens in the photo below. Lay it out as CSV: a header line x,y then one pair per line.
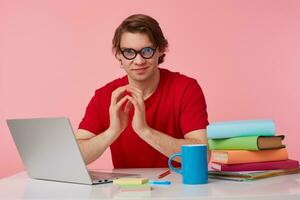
x,y
147,52
128,53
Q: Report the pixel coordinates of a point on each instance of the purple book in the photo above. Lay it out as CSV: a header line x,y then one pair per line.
x,y
257,166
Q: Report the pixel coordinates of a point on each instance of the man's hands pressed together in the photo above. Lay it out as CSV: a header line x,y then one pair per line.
x,y
119,116
139,122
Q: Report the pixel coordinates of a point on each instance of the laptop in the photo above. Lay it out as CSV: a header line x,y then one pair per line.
x,y
49,151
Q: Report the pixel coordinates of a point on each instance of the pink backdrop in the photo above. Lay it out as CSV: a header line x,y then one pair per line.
x,y
245,55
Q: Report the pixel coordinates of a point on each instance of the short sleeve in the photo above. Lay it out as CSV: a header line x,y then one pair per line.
x,y
193,108
93,120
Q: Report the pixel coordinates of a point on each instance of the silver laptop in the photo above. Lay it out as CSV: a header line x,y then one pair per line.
x,y
49,151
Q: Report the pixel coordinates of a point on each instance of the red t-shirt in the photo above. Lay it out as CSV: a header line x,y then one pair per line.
x,y
175,108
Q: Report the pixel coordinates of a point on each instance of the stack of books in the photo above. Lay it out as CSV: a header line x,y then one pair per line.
x,y
248,145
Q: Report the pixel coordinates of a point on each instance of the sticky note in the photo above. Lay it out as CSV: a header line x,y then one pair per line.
x,y
138,187
130,181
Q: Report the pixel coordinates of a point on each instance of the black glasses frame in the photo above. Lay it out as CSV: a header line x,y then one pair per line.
x,y
138,52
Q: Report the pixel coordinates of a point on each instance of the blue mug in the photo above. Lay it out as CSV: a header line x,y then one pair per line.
x,y
193,164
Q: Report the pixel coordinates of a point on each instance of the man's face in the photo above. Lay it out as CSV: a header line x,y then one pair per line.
x,y
138,68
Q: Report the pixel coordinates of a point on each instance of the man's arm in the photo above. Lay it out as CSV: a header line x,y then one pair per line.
x,y
168,145
93,146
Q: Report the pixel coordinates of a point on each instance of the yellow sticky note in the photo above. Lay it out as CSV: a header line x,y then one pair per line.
x,y
130,181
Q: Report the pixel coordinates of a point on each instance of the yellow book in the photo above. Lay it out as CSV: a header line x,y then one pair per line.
x,y
130,181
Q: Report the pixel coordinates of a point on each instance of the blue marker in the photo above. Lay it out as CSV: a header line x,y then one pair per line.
x,y
159,182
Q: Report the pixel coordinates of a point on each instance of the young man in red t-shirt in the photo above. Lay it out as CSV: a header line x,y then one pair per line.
x,y
147,115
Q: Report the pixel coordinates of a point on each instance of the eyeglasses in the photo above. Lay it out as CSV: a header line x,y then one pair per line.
x,y
146,52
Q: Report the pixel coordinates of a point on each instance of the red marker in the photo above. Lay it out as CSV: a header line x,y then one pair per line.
x,y
166,173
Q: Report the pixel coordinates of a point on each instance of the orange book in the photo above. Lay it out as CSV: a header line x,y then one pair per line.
x,y
246,156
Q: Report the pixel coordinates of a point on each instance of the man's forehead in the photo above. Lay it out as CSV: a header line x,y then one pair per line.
x,y
135,40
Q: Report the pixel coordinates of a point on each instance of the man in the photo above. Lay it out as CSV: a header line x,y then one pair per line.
x,y
146,116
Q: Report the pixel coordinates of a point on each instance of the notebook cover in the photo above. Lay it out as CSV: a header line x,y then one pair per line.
x,y
229,129
246,156
257,166
137,187
238,143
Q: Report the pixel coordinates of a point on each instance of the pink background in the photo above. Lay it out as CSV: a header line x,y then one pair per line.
x,y
244,54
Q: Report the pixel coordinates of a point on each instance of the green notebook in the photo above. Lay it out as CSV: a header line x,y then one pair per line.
x,y
136,187
247,143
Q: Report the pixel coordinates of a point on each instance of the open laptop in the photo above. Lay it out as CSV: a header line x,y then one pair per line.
x,y
49,151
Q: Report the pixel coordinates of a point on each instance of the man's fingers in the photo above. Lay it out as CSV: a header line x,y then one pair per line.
x,y
127,106
115,96
134,102
137,94
121,102
135,90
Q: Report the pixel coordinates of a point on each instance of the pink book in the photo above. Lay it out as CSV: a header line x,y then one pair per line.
x,y
257,166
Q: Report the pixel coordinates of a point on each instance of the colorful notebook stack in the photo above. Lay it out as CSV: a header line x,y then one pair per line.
x,y
133,184
248,145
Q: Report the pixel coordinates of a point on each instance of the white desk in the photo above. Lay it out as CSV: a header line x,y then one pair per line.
x,y
20,186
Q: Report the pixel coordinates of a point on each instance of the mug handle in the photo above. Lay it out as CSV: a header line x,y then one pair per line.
x,y
170,163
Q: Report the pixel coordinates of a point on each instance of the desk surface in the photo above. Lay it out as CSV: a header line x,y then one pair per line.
x,y
19,186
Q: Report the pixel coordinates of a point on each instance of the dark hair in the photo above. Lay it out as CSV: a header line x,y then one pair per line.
x,y
140,23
